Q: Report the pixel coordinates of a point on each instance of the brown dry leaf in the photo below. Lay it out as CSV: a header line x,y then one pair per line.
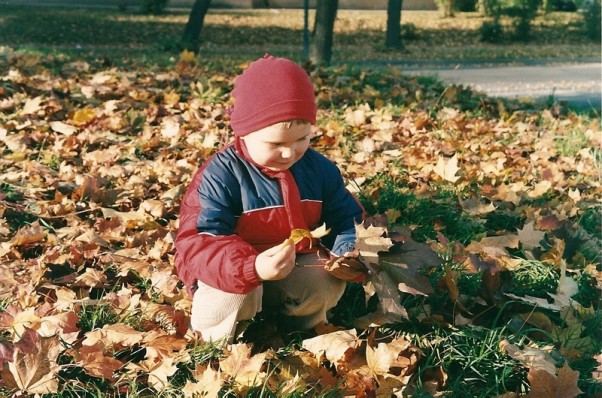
x,y
6,352
17,321
34,368
434,379
117,334
63,324
164,283
334,346
493,249
155,208
111,230
160,344
171,98
554,256
29,234
95,362
389,299
545,385
529,237
92,278
475,207
394,268
538,319
449,280
131,219
242,367
531,358
297,235
298,363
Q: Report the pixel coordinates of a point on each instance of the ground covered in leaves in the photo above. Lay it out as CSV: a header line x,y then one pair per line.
x,y
483,242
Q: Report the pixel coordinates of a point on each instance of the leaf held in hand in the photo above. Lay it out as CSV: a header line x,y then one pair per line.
x,y
298,234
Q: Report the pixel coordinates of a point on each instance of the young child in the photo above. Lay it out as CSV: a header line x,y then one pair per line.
x,y
246,199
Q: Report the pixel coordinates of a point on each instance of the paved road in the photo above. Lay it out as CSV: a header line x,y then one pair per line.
x,y
578,84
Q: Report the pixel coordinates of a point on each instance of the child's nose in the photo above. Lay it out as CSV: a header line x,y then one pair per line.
x,y
287,152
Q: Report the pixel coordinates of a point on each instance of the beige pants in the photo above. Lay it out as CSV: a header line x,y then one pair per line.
x,y
305,294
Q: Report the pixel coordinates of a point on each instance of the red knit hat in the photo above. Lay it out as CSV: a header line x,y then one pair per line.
x,y
269,91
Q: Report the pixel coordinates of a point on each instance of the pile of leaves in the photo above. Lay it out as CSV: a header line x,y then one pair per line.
x,y
484,234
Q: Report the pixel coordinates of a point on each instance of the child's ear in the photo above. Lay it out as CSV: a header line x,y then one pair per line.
x,y
312,134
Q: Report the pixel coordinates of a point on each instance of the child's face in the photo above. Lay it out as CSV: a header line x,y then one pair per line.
x,y
277,147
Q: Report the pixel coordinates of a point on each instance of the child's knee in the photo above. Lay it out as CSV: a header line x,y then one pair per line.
x,y
215,313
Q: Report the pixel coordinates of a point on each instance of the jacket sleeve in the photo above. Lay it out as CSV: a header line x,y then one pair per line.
x,y
341,211
207,248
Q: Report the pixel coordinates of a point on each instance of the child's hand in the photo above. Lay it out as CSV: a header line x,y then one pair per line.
x,y
275,263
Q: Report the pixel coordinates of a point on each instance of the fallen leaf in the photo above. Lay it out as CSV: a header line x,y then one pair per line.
x,y
83,116
34,366
531,358
29,234
334,346
209,383
563,385
63,128
95,363
244,368
447,168
529,237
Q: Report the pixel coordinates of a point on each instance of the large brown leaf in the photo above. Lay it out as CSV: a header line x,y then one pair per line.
x,y
33,368
545,385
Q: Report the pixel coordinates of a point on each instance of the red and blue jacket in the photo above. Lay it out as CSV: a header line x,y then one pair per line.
x,y
234,209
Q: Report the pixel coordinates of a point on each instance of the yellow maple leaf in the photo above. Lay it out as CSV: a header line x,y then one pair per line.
x,y
187,56
171,98
298,234
83,116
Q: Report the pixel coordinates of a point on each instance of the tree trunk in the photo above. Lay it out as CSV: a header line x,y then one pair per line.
x,y
320,51
192,31
393,36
